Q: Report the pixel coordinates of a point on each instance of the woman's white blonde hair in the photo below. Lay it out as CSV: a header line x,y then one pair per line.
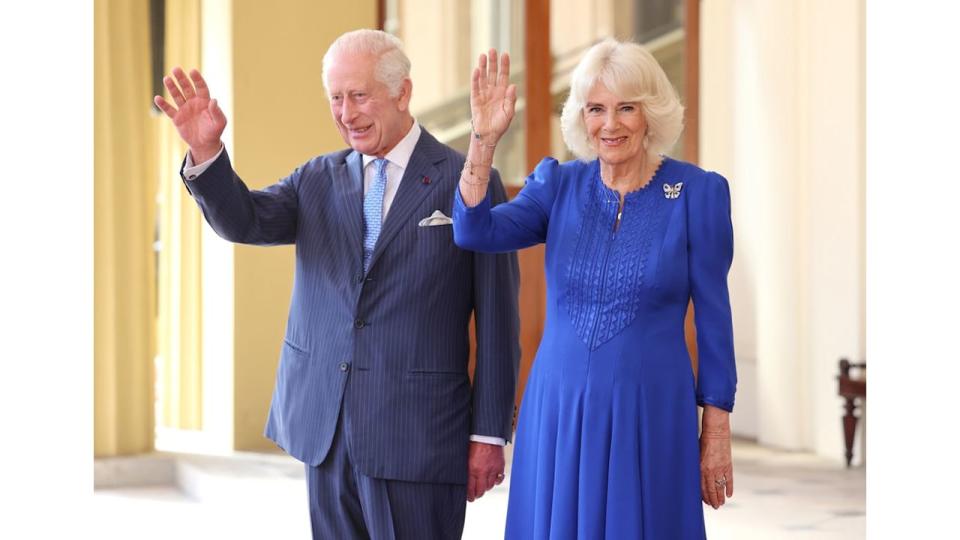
x,y
393,66
629,71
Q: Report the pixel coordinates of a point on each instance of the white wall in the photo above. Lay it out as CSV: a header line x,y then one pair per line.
x,y
217,266
782,117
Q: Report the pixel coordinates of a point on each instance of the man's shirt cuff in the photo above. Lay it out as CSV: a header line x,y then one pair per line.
x,y
191,171
488,440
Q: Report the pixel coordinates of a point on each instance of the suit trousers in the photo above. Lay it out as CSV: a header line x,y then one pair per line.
x,y
346,504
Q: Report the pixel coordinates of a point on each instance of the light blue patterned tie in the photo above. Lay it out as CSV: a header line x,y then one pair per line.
x,y
373,212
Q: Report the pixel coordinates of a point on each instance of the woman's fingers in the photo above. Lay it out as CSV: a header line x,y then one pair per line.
x,y
718,492
493,69
712,493
716,468
703,490
510,103
483,71
504,78
475,83
716,485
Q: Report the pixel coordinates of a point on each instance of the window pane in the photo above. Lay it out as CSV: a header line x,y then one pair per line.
x,y
443,60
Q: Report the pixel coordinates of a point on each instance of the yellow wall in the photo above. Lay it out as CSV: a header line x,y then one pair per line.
x,y
280,119
123,228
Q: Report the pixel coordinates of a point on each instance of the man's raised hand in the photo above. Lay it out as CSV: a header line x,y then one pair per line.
x,y
198,119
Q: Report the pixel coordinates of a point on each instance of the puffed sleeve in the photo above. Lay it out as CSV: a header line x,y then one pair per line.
x,y
710,254
517,224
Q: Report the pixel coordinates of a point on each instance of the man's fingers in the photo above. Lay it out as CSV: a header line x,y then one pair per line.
x,y
482,487
730,483
174,91
164,106
216,113
471,488
185,85
484,463
202,89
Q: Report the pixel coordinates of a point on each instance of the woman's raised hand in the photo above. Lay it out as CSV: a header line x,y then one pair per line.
x,y
198,119
492,98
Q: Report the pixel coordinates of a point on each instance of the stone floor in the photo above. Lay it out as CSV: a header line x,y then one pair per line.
x,y
778,495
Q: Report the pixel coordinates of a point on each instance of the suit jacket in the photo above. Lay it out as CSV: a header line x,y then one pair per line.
x,y
390,348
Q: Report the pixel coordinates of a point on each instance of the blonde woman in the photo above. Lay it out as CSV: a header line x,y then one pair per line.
x,y
607,443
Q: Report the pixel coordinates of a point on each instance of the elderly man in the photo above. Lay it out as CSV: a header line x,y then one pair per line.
x,y
372,391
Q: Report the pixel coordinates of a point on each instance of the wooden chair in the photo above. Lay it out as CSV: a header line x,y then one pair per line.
x,y
850,388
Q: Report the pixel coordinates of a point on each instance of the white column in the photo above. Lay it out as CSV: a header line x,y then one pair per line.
x,y
217,267
767,174
836,209
782,117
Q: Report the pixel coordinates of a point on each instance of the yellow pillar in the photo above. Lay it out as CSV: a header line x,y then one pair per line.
x,y
123,229
179,318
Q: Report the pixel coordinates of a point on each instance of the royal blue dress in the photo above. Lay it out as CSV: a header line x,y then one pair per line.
x,y
607,437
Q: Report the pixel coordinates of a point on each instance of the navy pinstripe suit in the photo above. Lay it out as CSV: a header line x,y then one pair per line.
x,y
390,348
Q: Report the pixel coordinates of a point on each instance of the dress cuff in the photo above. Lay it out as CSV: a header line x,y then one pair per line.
x,y
726,405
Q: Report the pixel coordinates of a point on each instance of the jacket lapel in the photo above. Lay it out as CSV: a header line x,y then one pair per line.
x,y
413,189
348,184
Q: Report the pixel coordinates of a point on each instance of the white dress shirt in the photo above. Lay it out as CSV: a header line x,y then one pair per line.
x,y
397,160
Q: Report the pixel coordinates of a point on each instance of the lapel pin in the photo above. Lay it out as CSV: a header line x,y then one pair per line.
x,y
672,192
425,180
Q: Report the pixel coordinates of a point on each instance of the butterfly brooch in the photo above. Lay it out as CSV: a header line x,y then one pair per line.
x,y
672,192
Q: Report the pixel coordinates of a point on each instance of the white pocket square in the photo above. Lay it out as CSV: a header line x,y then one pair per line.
x,y
436,218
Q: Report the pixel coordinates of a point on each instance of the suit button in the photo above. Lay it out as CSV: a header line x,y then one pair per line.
x,y
344,366
359,323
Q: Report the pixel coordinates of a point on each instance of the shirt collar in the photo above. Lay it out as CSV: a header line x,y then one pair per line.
x,y
400,154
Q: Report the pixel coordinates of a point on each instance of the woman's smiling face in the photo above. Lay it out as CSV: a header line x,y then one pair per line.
x,y
615,128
